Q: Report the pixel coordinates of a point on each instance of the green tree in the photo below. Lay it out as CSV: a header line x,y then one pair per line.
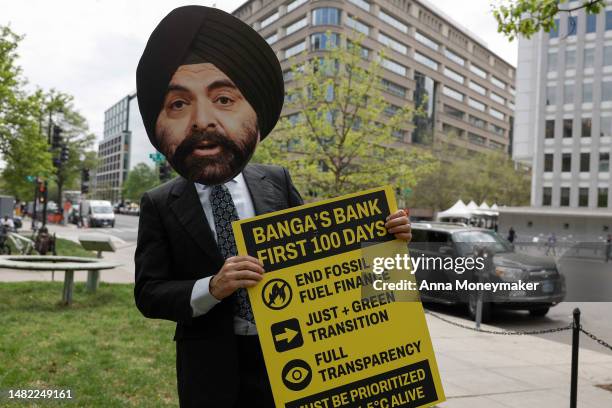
x,y
22,145
527,17
341,137
139,180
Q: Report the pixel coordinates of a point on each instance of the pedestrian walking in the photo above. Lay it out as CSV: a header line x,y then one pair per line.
x,y
511,235
551,244
608,247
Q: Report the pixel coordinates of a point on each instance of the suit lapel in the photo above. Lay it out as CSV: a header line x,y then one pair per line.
x,y
188,210
262,193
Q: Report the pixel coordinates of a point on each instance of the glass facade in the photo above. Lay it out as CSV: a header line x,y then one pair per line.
x,y
326,16
425,98
321,41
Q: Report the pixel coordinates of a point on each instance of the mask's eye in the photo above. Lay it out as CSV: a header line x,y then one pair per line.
x,y
177,105
224,100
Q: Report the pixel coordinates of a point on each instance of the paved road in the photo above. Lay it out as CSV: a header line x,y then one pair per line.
x,y
126,228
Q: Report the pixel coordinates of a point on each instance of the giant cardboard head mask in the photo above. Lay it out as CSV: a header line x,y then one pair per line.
x,y
209,88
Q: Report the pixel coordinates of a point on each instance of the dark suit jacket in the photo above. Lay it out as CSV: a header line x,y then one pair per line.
x,y
175,248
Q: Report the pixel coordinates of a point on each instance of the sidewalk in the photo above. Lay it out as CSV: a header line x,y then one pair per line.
x,y
124,255
497,371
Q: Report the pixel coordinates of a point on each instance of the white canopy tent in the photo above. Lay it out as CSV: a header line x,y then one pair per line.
x,y
458,211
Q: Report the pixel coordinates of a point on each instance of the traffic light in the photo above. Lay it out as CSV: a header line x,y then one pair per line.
x,y
164,171
56,141
64,153
85,181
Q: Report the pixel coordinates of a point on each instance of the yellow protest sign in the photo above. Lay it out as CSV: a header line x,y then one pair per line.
x,y
329,337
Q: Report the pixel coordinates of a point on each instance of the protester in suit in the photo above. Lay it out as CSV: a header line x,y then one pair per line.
x,y
209,90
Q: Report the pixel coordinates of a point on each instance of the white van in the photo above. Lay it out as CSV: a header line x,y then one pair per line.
x,y
97,213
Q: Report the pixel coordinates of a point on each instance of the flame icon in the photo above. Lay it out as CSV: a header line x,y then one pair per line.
x,y
276,294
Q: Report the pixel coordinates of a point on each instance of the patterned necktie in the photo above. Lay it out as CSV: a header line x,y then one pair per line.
x,y
224,212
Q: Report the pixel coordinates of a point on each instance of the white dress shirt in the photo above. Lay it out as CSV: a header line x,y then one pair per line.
x,y
201,299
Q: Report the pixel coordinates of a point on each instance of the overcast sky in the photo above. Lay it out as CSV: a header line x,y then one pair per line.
x,y
90,48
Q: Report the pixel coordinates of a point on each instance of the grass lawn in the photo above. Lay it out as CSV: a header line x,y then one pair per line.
x,y
101,347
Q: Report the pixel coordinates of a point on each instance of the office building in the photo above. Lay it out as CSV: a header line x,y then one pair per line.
x,y
469,89
563,123
125,144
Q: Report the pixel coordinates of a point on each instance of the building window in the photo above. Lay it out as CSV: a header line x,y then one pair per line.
x,y
587,92
428,62
549,132
551,96
478,71
295,4
606,91
477,105
567,127
363,51
456,113
426,41
393,88
450,130
295,49
589,57
565,196
583,197
272,38
607,57
453,75
392,21
548,162
357,25
393,44
547,196
495,145
554,31
296,26
605,126
566,162
450,92
476,139
572,25
424,98
602,197
604,162
393,66
570,59
586,127
591,23
361,4
326,16
495,97
320,41
477,122
496,114
269,20
475,87
454,57
551,61
585,162
500,131
568,94
498,82
608,20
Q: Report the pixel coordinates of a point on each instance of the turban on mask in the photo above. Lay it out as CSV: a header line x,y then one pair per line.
x,y
197,34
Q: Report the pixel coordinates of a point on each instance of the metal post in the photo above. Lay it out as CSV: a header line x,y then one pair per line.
x,y
68,287
34,205
45,197
574,373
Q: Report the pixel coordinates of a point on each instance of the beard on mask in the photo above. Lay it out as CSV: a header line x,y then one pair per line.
x,y
215,169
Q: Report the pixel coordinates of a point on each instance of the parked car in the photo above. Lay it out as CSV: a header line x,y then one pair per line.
x,y
442,240
98,213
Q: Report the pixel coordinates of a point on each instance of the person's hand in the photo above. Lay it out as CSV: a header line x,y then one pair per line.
x,y
398,224
237,272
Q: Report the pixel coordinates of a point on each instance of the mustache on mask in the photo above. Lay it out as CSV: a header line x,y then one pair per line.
x,y
195,138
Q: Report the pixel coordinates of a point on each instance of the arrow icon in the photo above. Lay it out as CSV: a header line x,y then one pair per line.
x,y
287,335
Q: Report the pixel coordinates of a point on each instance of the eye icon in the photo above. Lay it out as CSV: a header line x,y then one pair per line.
x,y
296,375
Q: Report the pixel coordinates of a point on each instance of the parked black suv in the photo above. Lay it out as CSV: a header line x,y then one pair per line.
x,y
448,240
